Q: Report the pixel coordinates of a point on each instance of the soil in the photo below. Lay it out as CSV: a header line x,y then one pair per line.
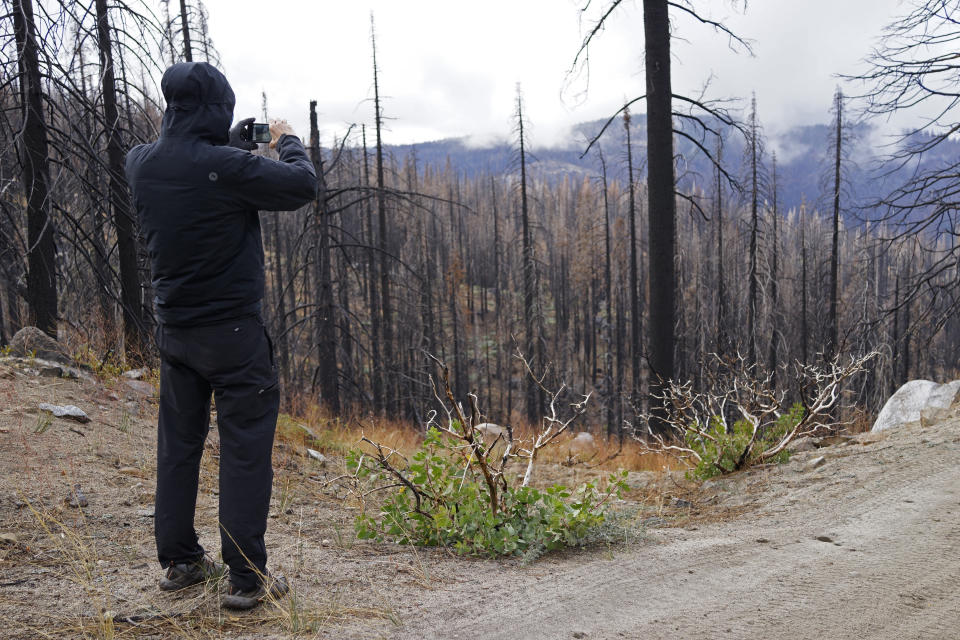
x,y
865,543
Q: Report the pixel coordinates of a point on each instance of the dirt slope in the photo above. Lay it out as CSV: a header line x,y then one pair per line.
x,y
866,544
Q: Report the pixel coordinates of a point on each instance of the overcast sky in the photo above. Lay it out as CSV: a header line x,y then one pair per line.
x,y
450,67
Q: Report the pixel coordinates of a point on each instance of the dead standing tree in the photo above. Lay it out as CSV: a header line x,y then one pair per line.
x,y
534,399
326,320
661,180
756,189
41,292
915,69
87,128
134,330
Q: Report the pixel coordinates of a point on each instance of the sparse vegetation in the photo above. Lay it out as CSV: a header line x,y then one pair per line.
x,y
439,498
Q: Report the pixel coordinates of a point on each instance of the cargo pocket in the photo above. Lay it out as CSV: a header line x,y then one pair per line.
x,y
273,384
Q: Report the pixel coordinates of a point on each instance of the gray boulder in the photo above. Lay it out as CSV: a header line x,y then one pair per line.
x,y
68,411
32,342
918,401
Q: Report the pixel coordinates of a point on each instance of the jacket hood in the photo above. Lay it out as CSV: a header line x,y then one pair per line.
x,y
199,102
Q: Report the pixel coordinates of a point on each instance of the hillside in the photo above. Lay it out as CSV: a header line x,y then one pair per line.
x,y
863,543
803,161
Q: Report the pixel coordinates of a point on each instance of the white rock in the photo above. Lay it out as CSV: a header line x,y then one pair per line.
x,y
490,431
915,399
68,411
583,442
136,374
316,455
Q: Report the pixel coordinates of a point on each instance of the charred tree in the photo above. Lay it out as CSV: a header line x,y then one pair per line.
x,y
41,291
326,321
636,320
534,399
185,30
721,333
386,304
775,315
135,341
833,331
754,151
661,208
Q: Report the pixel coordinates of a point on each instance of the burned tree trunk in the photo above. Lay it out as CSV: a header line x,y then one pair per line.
x,y
41,255
754,293
635,319
833,345
661,208
386,304
326,317
130,291
185,28
534,404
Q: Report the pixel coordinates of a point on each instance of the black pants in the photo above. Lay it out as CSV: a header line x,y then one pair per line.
x,y
234,360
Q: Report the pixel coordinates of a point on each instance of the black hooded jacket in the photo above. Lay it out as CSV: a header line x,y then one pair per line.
x,y
197,201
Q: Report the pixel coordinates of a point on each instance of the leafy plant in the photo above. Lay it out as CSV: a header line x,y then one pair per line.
x,y
721,452
437,500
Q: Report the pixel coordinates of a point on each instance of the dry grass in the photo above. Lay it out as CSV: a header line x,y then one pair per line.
x,y
861,422
336,436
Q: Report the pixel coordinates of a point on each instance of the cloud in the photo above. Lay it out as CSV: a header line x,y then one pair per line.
x,y
450,69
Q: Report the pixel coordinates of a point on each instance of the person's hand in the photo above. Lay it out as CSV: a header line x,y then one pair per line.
x,y
279,128
236,136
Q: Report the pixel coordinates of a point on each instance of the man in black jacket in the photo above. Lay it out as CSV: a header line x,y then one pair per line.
x,y
197,200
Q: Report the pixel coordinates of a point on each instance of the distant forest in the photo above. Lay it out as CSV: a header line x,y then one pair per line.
x,y
676,241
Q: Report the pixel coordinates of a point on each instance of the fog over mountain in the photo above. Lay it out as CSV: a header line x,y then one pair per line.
x,y
804,161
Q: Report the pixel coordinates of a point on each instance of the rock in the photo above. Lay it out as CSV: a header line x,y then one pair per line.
x,y
68,412
8,539
32,342
680,503
583,442
145,513
76,498
316,455
325,542
140,386
490,431
815,462
801,444
136,374
918,401
51,372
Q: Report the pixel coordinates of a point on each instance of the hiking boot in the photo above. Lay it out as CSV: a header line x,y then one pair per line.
x,y
236,599
186,574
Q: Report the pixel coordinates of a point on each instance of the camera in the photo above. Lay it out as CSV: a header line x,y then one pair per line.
x,y
257,132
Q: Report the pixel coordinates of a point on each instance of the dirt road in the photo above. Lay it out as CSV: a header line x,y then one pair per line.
x,y
865,546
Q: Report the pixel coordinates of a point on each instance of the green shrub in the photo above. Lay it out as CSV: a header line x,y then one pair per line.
x,y
721,452
444,501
